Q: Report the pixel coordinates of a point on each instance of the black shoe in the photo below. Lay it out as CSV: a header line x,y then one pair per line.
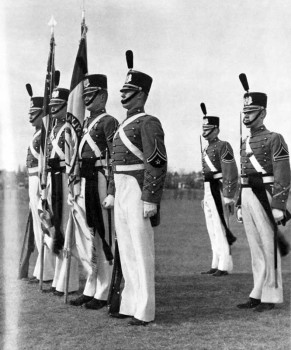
x,y
118,315
61,294
50,290
47,281
209,272
264,307
33,280
95,304
136,322
80,300
250,304
220,273
58,294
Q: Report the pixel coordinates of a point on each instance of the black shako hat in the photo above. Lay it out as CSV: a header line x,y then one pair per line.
x,y
136,80
94,82
209,122
59,95
253,101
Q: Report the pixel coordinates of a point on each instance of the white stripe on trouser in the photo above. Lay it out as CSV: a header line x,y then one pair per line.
x,y
135,237
98,282
60,269
221,259
49,259
260,236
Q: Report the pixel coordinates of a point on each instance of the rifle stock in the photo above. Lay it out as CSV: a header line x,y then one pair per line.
x,y
67,249
113,300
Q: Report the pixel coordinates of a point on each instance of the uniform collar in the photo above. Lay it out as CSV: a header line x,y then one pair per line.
x,y
97,113
258,130
213,141
135,111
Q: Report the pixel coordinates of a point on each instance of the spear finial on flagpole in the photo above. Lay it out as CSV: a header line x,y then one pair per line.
x,y
83,24
52,23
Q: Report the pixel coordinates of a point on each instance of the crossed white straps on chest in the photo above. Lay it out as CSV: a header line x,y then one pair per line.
x,y
208,162
87,138
55,142
252,157
32,149
128,144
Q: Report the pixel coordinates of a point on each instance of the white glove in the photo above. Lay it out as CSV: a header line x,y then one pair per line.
x,y
278,214
239,215
229,204
149,209
108,202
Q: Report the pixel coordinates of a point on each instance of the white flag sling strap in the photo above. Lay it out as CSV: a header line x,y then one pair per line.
x,y
56,148
87,138
253,159
32,149
133,149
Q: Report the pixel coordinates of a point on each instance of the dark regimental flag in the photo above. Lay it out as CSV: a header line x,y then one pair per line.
x,y
77,226
75,116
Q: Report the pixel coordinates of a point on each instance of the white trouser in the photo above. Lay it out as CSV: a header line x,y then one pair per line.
x,y
221,257
48,259
260,235
98,282
135,237
61,263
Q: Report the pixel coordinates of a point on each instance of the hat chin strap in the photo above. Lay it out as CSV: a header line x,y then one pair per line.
x,y
38,114
251,122
130,97
92,98
57,111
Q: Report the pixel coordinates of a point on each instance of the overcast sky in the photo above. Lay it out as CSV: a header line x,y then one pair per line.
x,y
193,49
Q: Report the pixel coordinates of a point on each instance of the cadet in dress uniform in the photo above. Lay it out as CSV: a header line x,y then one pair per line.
x,y
94,152
139,165
220,184
58,190
265,172
33,154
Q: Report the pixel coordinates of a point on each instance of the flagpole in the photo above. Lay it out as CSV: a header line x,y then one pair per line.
x,y
49,85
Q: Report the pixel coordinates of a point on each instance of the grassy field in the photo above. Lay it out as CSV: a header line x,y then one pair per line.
x,y
193,311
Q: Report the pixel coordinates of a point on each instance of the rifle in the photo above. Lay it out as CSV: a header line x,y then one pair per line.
x,y
27,248
109,211
113,301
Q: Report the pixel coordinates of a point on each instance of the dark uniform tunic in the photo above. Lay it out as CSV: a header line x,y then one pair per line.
x,y
147,135
271,152
220,154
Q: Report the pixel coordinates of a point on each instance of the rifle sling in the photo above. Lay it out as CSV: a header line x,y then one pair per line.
x,y
215,191
94,213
